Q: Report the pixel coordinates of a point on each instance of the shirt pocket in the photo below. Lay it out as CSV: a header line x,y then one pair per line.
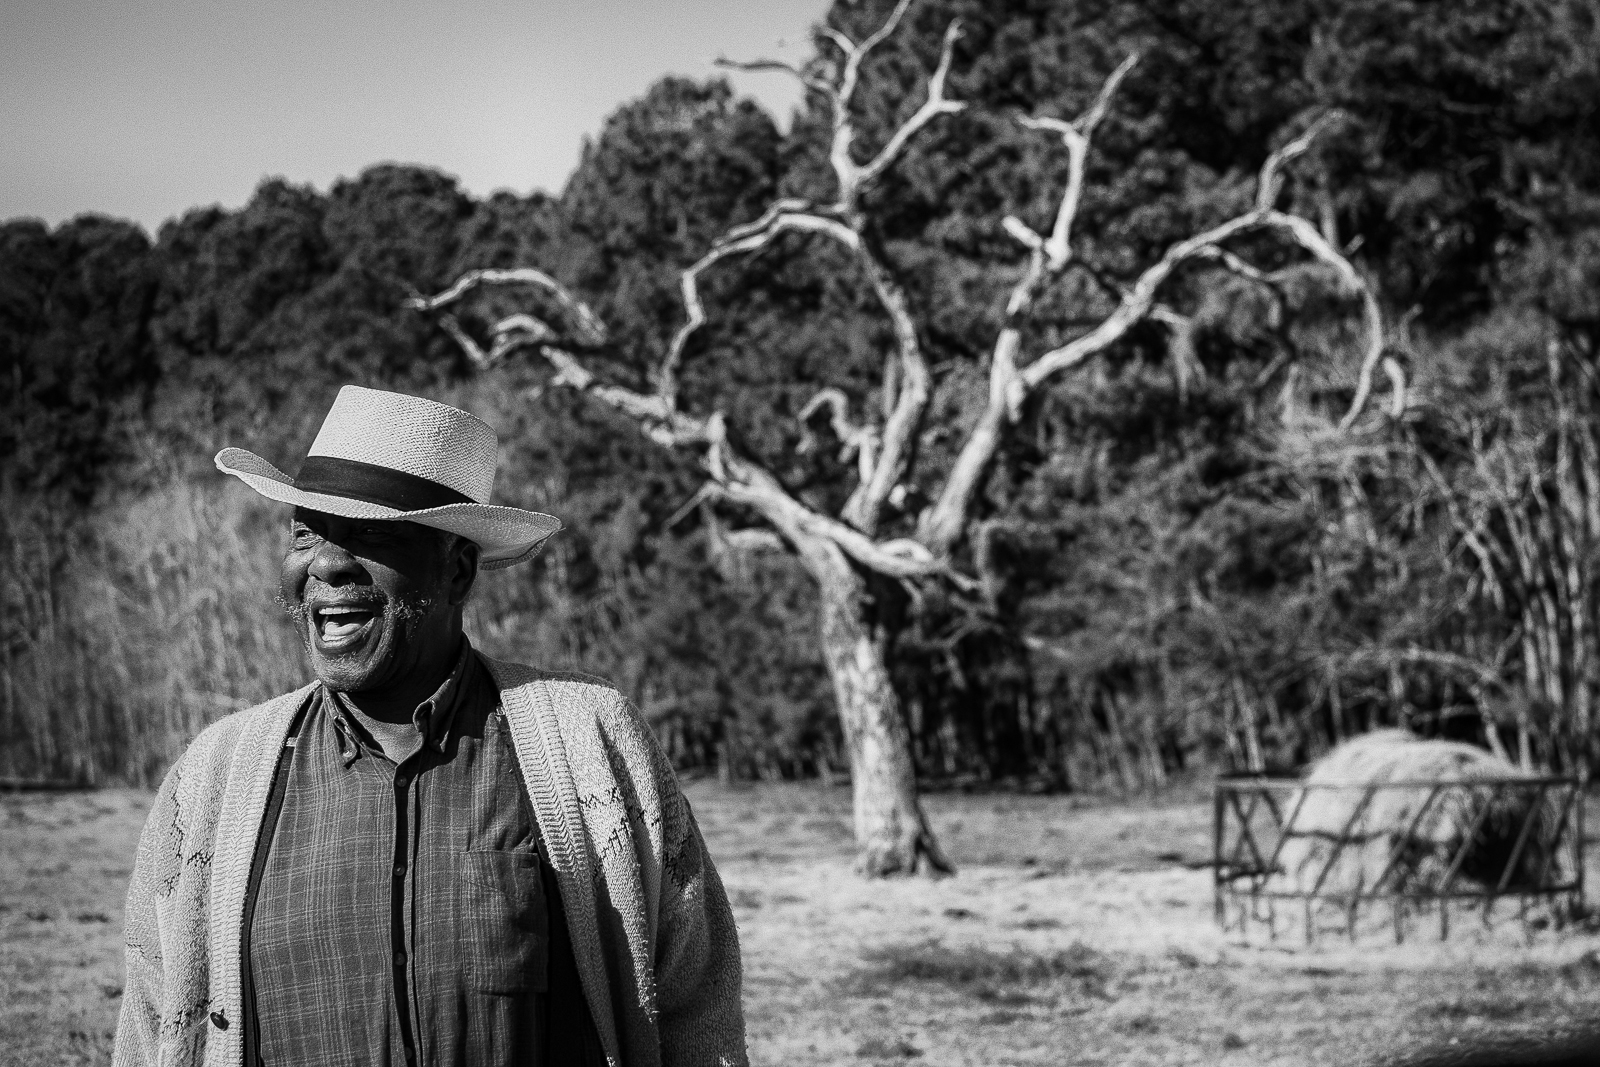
x,y
504,922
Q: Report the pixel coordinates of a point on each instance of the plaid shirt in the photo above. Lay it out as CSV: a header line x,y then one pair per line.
x,y
402,912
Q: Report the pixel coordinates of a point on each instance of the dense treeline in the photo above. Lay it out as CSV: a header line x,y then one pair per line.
x,y
1195,568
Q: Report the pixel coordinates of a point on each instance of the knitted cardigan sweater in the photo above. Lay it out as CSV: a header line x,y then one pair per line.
x,y
651,929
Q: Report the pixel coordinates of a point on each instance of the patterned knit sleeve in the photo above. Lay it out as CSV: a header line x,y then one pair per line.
x,y
698,971
155,871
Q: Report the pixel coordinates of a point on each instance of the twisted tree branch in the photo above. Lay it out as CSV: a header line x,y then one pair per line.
x,y
1270,184
1137,302
843,222
587,330
1076,135
859,441
932,108
761,66
737,477
783,217
942,526
855,53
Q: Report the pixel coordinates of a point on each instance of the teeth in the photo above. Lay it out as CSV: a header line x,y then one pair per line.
x,y
339,623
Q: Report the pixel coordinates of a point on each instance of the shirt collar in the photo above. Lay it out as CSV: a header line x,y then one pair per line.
x,y
433,717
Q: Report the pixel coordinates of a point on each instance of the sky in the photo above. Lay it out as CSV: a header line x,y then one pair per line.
x,y
143,109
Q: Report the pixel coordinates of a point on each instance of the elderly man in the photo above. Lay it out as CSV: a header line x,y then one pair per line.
x,y
427,857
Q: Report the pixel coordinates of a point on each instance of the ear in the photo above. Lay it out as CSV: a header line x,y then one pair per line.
x,y
463,569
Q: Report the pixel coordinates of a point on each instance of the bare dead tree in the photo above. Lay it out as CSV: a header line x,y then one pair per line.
x,y
841,552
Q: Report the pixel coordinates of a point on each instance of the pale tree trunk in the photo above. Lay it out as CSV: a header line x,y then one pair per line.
x,y
892,832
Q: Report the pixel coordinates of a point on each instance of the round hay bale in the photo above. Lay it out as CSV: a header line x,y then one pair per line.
x,y
1346,840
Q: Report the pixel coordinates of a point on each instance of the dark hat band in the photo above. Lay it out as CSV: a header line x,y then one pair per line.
x,y
355,480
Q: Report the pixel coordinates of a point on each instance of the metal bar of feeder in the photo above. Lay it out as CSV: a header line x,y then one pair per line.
x,y
1271,803
1561,824
1523,834
1285,829
1235,857
1246,831
1344,837
1577,840
1217,819
1418,783
1522,841
1399,847
1467,843
1459,894
1478,819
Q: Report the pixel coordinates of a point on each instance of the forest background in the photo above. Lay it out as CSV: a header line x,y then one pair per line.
x,y
1191,567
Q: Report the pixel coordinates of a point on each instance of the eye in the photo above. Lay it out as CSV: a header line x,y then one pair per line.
x,y
301,536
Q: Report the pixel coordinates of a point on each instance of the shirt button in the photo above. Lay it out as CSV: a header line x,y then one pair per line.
x,y
219,1020
399,959
401,781
399,870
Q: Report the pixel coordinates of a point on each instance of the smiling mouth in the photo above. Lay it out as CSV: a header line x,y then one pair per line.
x,y
337,627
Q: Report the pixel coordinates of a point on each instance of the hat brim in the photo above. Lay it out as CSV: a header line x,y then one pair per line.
x,y
505,535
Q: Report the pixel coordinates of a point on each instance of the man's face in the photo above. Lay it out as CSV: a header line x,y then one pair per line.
x,y
375,601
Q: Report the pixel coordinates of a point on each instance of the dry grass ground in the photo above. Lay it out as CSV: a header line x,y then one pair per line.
x,y
1073,934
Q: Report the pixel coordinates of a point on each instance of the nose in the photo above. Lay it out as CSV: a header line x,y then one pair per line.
x,y
333,565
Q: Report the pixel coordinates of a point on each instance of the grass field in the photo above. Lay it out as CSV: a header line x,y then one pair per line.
x,y
1078,931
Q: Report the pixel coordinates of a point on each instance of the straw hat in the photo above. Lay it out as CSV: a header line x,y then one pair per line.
x,y
386,455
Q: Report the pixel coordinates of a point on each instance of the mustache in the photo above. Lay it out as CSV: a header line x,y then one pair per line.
x,y
405,609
